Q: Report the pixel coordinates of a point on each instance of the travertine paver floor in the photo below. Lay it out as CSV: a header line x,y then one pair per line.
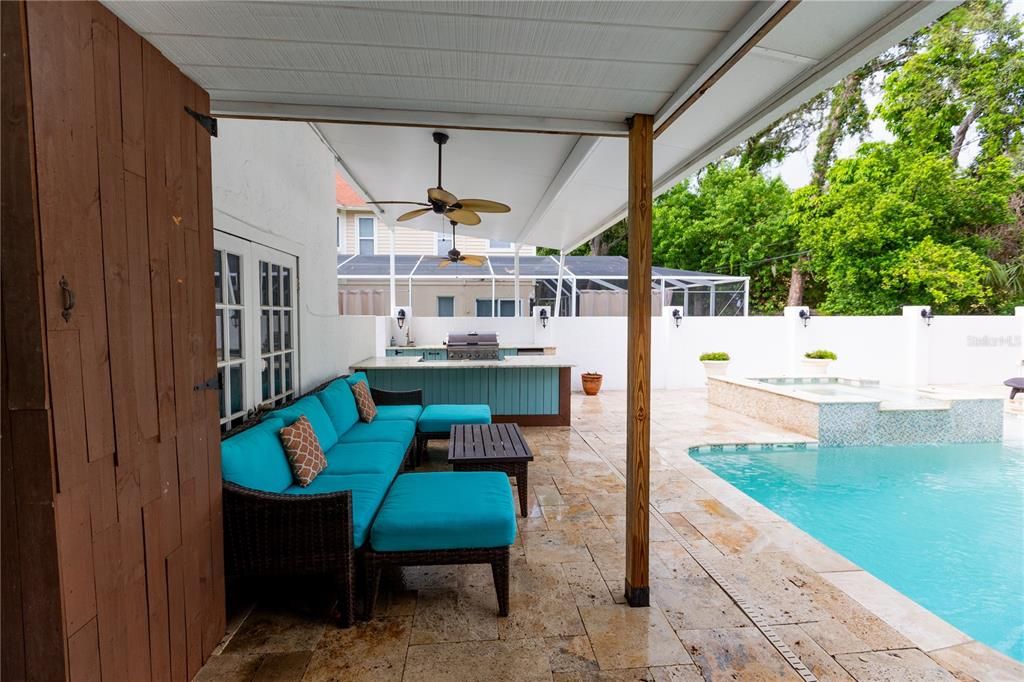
x,y
567,619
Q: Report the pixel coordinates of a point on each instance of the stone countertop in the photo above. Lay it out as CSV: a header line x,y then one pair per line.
x,y
514,362
441,346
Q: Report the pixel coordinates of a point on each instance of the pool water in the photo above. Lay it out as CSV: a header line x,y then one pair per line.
x,y
943,524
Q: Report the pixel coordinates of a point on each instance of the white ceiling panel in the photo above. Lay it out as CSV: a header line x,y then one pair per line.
x,y
368,25
467,93
715,16
434,64
481,69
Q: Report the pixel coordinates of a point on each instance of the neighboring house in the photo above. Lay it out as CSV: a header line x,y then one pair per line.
x,y
360,232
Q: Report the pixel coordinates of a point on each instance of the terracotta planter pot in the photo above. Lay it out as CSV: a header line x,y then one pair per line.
x,y
592,383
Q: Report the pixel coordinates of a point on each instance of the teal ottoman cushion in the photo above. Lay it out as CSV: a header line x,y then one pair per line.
x,y
439,418
365,458
401,432
340,405
389,413
255,459
367,492
314,411
445,510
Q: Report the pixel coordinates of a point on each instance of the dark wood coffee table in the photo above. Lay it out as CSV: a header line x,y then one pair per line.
x,y
491,447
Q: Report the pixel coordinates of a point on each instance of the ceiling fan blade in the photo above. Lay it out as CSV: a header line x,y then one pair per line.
x,y
411,203
483,206
442,195
413,214
461,215
475,261
444,263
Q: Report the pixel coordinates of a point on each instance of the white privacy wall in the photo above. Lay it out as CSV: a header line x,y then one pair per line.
x,y
273,184
896,349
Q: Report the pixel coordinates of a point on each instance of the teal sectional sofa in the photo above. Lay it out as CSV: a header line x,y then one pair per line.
x,y
273,526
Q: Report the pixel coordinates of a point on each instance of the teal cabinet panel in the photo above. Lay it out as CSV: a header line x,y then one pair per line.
x,y
520,390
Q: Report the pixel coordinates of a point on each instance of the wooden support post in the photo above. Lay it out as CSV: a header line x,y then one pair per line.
x,y
638,359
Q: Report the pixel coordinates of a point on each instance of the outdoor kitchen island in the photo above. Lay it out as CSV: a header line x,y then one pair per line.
x,y
530,390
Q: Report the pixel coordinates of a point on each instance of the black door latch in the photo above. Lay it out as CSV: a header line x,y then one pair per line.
x,y
209,385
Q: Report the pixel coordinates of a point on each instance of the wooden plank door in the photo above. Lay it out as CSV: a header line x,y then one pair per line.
x,y
125,224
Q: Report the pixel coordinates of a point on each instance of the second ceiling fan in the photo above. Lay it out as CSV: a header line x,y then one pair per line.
x,y
442,202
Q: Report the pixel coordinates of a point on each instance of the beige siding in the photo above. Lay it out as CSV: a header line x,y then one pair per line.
x,y
409,241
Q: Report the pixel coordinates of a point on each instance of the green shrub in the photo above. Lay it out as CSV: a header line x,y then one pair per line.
x,y
820,355
716,357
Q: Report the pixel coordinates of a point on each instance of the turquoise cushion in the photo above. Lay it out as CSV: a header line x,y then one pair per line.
x,y
367,492
389,413
340,405
314,411
356,377
439,418
446,510
255,459
365,458
401,432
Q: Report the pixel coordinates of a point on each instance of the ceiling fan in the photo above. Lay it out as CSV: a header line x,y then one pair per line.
x,y
441,201
456,256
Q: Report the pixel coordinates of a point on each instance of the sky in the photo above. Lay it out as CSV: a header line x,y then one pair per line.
x,y
795,170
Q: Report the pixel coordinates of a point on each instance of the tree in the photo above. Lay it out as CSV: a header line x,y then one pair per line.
x,y
898,226
733,221
969,76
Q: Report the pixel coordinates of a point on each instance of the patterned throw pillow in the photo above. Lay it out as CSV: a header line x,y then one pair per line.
x,y
304,452
364,401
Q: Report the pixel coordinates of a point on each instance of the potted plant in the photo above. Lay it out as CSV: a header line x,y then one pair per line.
x,y
816,362
592,382
715,364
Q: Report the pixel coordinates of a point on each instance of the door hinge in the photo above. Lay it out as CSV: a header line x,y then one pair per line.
x,y
209,385
209,123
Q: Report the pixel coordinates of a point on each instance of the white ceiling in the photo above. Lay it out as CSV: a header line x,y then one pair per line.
x,y
577,69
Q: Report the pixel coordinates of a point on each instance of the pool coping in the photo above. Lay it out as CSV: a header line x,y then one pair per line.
x,y
922,627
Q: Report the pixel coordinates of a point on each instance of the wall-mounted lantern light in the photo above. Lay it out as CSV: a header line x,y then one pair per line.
x,y
927,315
401,317
677,316
543,317
805,315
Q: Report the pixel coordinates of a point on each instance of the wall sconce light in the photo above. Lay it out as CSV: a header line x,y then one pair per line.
x,y
927,315
401,317
677,316
805,315
543,317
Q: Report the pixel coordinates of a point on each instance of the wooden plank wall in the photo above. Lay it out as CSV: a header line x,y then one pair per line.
x,y
121,212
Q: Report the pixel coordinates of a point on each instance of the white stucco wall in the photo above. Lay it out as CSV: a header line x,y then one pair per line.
x,y
977,350
273,184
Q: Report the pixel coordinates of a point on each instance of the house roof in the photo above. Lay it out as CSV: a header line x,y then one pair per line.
x,y
535,95
345,194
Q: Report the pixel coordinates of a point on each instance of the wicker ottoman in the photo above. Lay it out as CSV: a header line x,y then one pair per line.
x,y
440,518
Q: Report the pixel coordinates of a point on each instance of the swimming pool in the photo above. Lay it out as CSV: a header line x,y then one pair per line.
x,y
943,524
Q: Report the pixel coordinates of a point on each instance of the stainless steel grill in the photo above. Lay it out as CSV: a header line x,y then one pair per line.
x,y
473,346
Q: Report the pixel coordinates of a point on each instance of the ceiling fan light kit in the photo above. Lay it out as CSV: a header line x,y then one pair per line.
x,y
444,203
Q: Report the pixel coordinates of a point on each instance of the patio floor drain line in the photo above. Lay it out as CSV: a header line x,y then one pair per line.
x,y
752,611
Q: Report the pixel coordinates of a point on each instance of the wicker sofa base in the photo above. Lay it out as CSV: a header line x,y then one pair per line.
x,y
497,557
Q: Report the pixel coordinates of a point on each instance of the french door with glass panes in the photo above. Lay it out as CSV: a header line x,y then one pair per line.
x,y
257,326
